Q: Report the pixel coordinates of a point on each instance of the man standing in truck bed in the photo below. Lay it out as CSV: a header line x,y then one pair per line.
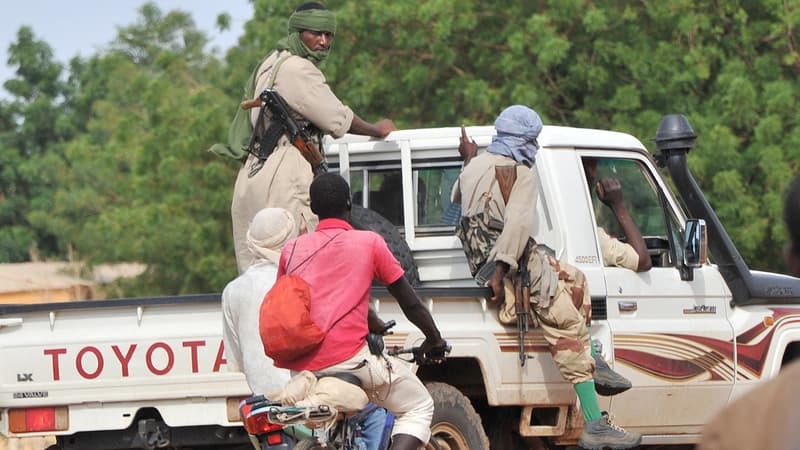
x,y
496,227
285,176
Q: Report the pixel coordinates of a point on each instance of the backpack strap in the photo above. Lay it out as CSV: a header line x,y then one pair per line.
x,y
309,256
274,73
241,130
505,175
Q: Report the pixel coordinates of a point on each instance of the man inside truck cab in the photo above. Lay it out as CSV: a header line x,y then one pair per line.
x,y
292,70
498,191
632,254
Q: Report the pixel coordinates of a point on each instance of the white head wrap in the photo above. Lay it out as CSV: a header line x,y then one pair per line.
x,y
269,230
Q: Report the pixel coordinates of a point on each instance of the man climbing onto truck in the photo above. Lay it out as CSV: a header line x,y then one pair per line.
x,y
498,193
269,230
339,264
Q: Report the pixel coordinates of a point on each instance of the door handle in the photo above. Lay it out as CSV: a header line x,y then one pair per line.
x,y
627,306
13,322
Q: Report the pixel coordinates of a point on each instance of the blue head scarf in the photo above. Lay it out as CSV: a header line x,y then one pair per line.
x,y
517,129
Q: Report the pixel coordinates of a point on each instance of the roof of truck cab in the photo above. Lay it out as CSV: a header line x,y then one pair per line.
x,y
550,137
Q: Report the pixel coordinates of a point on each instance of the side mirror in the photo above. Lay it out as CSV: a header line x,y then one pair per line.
x,y
695,243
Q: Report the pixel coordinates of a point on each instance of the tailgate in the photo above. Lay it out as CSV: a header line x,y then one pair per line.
x,y
114,350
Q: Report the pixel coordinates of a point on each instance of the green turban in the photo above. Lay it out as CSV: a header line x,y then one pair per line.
x,y
309,19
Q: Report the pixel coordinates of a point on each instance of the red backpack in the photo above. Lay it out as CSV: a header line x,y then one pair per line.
x,y
287,331
285,325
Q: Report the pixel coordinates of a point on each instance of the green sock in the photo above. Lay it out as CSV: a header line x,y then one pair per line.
x,y
591,347
588,398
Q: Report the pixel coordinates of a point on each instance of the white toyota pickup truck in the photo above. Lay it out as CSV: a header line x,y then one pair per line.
x,y
691,334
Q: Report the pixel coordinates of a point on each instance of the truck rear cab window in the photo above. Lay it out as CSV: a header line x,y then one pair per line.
x,y
381,189
644,203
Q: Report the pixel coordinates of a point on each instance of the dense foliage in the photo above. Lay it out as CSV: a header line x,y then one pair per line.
x,y
105,160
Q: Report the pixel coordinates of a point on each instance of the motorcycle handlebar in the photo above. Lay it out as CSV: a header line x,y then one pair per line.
x,y
434,357
387,327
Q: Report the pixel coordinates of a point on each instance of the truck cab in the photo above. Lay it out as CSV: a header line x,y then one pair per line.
x,y
678,331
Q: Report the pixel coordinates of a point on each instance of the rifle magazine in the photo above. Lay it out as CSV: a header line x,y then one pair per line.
x,y
269,140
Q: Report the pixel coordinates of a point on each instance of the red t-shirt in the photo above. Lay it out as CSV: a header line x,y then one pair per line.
x,y
339,263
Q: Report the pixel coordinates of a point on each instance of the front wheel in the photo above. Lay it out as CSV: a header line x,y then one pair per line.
x,y
455,424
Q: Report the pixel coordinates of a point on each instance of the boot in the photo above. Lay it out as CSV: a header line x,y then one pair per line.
x,y
602,433
606,381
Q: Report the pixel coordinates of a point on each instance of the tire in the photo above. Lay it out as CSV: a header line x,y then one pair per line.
x,y
308,444
455,425
366,219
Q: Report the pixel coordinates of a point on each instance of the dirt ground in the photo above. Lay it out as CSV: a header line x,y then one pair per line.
x,y
26,443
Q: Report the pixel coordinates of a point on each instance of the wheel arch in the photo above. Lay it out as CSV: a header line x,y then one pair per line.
x,y
790,353
465,374
456,424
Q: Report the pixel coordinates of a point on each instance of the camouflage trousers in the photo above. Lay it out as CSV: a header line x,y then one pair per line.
x,y
564,322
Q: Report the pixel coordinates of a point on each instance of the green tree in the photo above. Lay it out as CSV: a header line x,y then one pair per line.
x,y
137,185
731,67
112,164
32,133
444,62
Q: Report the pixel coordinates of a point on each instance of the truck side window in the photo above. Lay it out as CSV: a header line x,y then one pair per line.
x,y
381,189
435,208
643,202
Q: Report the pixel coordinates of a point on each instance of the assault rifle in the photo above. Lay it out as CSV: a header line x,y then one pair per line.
x,y
264,139
506,176
522,297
